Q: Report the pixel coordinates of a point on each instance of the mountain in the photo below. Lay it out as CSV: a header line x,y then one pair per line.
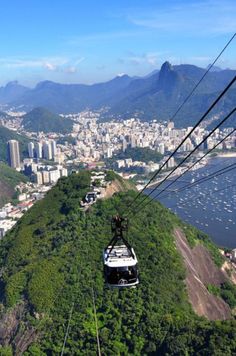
x,y
155,96
67,98
165,92
41,119
51,271
11,92
6,135
214,68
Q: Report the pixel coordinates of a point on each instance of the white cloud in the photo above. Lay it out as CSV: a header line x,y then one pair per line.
x,y
70,70
50,66
53,64
210,17
150,58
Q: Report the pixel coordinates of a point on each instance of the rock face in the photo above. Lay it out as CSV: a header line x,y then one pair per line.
x,y
169,80
16,331
201,271
115,187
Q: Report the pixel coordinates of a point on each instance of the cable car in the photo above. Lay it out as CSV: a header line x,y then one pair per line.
x,y
120,261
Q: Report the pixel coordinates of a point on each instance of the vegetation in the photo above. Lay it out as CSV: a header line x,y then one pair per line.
x,y
40,119
111,176
52,258
9,178
138,154
226,291
6,135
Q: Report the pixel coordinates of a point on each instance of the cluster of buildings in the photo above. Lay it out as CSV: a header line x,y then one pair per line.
x,y
39,172
92,141
46,150
231,255
95,140
141,167
28,195
44,174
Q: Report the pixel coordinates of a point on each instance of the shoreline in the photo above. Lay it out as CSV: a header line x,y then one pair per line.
x,y
227,155
203,164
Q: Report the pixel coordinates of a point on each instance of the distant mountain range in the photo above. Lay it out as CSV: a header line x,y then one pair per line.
x,y
155,96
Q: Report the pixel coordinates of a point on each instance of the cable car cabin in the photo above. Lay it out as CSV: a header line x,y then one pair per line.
x,y
120,262
120,266
91,197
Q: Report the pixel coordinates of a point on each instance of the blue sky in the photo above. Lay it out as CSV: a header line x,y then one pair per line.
x,y
87,41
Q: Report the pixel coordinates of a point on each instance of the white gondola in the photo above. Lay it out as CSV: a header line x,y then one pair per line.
x,y
120,261
120,267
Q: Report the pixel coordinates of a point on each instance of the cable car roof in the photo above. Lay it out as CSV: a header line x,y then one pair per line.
x,y
119,257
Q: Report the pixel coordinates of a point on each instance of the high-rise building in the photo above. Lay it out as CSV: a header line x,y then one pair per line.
x,y
13,154
124,145
38,150
161,148
170,125
109,152
39,178
31,149
54,175
54,148
47,150
46,177
171,162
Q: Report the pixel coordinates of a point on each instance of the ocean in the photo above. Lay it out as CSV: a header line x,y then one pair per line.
x,y
203,206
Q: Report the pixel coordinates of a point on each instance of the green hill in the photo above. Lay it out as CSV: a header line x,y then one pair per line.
x,y
52,259
40,119
6,135
138,154
9,178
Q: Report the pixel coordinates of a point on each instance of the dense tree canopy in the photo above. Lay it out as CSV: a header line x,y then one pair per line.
x,y
52,258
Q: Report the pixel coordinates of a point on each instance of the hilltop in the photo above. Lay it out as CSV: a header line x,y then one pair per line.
x,y
41,119
52,258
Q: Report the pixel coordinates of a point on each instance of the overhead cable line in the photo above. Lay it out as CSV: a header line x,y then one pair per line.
x,y
203,140
94,309
201,197
181,143
180,107
67,328
201,79
200,159
93,297
201,180
96,323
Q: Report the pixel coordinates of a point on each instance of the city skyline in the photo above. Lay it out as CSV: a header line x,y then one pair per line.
x,y
92,42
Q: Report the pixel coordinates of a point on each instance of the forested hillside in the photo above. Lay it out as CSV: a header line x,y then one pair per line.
x,y
52,260
143,154
9,178
41,119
